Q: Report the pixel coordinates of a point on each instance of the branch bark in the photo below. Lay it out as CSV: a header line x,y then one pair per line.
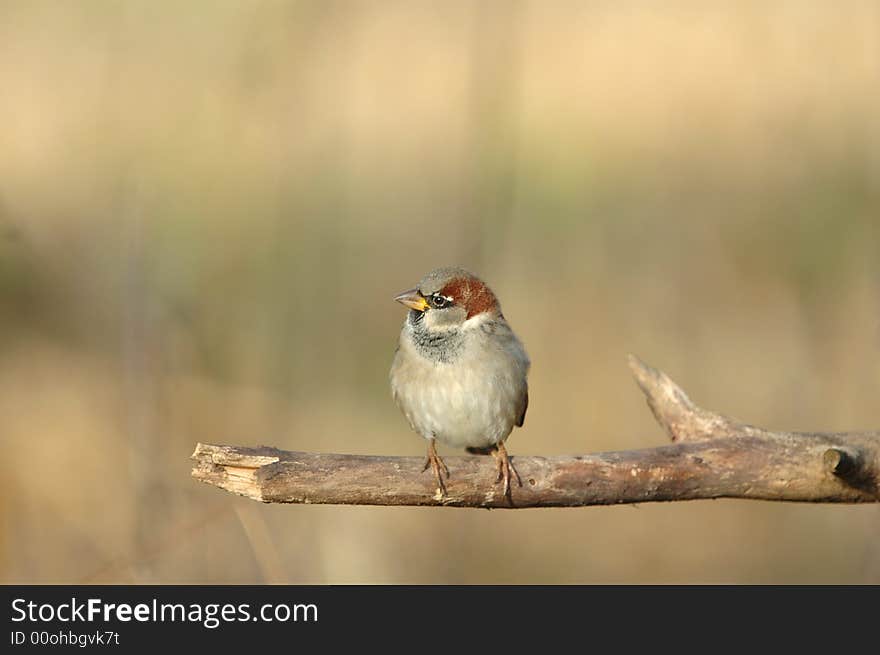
x,y
711,456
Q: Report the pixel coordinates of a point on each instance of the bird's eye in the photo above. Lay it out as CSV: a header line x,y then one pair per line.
x,y
438,301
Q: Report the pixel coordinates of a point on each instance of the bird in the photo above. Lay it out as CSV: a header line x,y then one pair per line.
x,y
460,373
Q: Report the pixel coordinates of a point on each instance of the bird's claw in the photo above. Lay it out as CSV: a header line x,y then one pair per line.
x,y
506,470
438,466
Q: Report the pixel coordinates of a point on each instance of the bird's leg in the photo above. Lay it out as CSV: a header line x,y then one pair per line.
x,y
505,468
437,465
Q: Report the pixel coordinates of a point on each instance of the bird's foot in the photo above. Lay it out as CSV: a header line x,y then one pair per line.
x,y
506,470
438,466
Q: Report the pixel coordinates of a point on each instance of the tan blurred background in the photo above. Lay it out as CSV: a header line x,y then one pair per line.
x,y
206,207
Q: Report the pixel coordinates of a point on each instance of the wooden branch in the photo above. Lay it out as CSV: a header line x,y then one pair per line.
x,y
712,456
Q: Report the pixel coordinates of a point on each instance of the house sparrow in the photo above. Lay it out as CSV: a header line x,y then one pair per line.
x,y
459,372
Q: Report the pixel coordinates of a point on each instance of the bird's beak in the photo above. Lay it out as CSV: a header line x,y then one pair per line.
x,y
412,299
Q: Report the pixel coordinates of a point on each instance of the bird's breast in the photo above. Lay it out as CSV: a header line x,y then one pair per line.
x,y
470,402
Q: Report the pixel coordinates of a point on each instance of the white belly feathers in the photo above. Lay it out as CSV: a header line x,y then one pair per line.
x,y
473,405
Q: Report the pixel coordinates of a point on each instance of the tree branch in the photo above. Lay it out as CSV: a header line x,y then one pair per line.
x,y
712,456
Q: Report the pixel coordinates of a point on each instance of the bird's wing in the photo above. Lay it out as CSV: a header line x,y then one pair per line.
x,y
522,414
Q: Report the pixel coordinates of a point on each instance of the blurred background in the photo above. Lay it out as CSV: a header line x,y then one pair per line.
x,y
206,208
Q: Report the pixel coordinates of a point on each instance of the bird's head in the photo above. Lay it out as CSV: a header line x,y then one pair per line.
x,y
448,298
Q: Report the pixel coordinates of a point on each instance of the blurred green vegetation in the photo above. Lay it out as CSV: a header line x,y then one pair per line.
x,y
206,208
